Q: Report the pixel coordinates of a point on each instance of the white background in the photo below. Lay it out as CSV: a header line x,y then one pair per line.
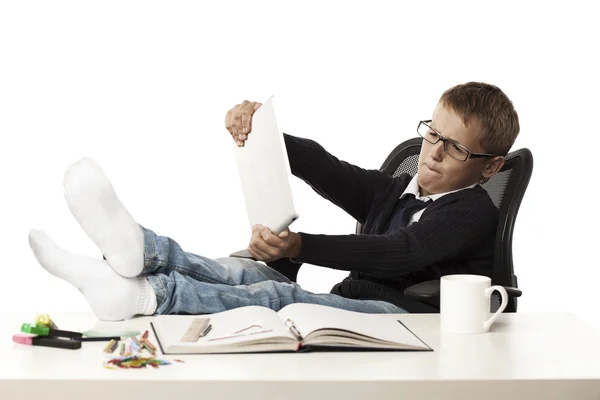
x,y
143,87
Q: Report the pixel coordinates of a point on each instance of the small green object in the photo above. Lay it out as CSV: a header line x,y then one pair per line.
x,y
35,329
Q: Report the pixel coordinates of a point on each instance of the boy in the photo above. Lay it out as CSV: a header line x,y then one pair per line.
x,y
414,229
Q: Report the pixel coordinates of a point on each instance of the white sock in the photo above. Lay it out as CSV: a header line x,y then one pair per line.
x,y
95,205
111,296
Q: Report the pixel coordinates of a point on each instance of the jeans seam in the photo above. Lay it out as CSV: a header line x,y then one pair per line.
x,y
160,292
279,300
267,303
157,262
194,274
149,260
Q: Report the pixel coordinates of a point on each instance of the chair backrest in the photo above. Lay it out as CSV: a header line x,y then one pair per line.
x,y
403,159
506,190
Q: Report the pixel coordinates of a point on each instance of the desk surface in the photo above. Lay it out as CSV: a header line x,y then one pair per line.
x,y
525,355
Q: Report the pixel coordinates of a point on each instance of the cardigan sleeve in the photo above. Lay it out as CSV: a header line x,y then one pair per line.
x,y
449,226
345,185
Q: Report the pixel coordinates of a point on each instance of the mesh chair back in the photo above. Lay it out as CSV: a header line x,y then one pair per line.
x,y
506,189
403,159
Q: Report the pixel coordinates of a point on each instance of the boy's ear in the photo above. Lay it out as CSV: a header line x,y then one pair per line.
x,y
492,167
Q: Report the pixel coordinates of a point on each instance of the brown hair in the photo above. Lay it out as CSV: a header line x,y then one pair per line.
x,y
488,106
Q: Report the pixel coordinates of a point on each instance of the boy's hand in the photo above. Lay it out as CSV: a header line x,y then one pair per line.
x,y
238,120
266,246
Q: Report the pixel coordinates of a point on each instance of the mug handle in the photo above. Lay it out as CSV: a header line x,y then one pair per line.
x,y
488,294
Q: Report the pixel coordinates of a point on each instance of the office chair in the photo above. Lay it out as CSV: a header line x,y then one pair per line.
x,y
506,190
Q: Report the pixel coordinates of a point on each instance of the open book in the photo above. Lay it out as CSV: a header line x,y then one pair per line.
x,y
297,327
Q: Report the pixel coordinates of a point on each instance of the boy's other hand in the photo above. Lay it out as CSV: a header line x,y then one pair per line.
x,y
238,120
266,246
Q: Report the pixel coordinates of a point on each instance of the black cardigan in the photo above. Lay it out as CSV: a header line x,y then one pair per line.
x,y
455,233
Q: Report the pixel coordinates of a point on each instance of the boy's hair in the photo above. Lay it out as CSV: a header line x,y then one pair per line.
x,y
487,106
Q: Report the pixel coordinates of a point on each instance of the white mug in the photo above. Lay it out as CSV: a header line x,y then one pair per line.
x,y
465,303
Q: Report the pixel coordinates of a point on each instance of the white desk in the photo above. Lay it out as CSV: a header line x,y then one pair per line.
x,y
525,356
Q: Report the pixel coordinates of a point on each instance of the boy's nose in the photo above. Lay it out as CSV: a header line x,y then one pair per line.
x,y
437,153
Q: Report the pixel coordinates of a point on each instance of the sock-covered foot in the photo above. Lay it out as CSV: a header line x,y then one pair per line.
x,y
111,296
95,205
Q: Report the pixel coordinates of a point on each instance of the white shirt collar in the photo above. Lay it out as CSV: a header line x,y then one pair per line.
x,y
413,188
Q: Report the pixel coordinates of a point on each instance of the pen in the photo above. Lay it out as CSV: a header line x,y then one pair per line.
x,y
290,324
99,338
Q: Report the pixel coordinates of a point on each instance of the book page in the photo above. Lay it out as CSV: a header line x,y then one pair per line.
x,y
309,318
229,328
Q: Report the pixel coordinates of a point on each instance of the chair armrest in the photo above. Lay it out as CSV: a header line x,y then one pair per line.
x,y
424,291
513,291
242,254
431,290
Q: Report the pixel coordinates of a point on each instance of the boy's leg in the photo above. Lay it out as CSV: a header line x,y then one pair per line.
x,y
114,297
131,249
111,296
177,294
162,255
103,217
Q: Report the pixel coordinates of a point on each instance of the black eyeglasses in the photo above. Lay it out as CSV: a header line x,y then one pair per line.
x,y
452,148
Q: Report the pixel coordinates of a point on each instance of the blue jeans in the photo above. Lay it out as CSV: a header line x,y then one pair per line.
x,y
186,283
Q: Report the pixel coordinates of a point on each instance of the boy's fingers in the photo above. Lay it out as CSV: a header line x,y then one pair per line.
x,y
262,248
242,115
266,251
284,234
247,112
254,247
271,239
245,124
255,254
236,122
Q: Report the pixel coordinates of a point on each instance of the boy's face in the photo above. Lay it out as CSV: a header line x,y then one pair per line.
x,y
438,171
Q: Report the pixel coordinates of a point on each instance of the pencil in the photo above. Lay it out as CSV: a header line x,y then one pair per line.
x,y
98,339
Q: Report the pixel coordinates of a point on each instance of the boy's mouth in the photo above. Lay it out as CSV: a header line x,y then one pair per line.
x,y
432,169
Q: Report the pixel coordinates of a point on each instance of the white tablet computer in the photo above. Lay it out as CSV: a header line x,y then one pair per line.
x,y
265,173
